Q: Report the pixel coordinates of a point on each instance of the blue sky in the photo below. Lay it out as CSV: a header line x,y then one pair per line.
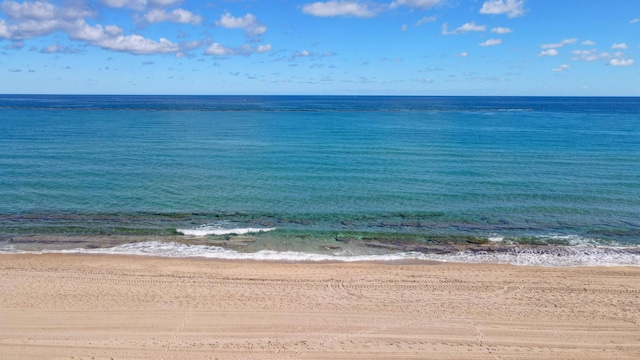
x,y
378,47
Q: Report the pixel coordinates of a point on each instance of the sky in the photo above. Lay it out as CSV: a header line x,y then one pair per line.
x,y
335,47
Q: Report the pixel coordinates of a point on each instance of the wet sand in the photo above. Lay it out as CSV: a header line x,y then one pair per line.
x,y
127,307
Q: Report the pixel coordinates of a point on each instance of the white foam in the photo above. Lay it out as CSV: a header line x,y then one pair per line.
x,y
553,256
177,250
549,256
219,229
573,240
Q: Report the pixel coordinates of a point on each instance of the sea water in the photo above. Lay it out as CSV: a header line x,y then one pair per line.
x,y
524,180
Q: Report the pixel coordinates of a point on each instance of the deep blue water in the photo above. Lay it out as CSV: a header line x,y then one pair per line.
x,y
318,170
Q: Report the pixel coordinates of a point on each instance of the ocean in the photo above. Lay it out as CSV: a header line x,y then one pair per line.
x,y
551,181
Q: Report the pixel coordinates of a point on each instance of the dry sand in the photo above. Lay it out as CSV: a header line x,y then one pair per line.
x,y
104,307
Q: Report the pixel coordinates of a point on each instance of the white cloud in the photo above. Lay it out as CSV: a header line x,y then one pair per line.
x,y
463,54
416,4
112,38
621,62
179,16
558,45
263,48
217,49
246,49
4,30
468,27
130,4
588,43
550,52
140,4
339,8
513,8
634,21
37,10
163,3
404,27
96,33
619,46
249,22
562,67
40,10
303,53
491,42
32,28
231,22
590,55
138,45
425,20
52,49
39,18
33,19
501,30
70,13
190,45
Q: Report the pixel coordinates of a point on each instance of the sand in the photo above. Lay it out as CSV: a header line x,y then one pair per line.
x,y
119,307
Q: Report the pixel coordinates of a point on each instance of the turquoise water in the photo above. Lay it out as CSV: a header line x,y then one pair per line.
x,y
333,176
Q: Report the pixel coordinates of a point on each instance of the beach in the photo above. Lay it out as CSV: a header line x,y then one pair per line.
x,y
59,306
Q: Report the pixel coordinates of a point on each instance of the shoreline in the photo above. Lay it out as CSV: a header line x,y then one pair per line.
x,y
144,307
545,255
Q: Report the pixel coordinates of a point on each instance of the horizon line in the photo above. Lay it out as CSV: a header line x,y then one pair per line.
x,y
321,95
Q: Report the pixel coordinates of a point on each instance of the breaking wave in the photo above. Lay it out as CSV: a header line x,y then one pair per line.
x,y
549,256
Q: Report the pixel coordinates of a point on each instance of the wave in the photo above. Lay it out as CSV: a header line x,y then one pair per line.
x,y
206,230
547,256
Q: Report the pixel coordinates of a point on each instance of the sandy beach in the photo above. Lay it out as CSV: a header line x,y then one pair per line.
x,y
126,307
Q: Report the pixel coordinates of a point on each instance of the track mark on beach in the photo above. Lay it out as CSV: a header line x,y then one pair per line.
x,y
177,332
346,292
478,332
510,289
581,290
479,336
